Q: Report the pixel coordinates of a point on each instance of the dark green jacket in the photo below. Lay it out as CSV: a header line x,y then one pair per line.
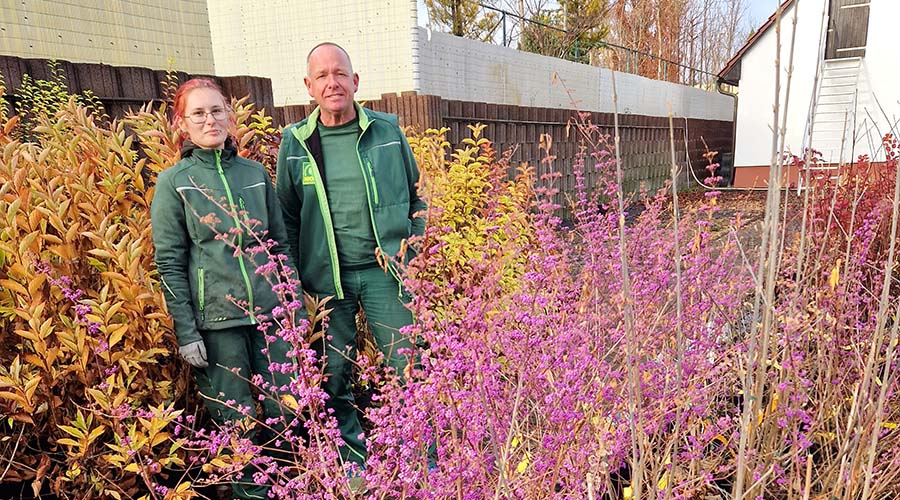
x,y
390,174
197,270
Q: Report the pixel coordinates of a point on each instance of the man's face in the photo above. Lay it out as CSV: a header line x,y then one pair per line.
x,y
331,80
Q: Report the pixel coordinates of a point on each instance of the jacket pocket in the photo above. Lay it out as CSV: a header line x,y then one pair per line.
x,y
252,203
202,210
243,208
372,181
385,163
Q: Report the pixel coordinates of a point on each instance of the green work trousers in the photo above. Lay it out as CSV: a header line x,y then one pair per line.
x,y
241,348
379,294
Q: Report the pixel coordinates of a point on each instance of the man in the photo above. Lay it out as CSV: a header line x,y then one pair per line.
x,y
346,179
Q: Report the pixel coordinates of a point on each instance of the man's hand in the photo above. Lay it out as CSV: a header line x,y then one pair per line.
x,y
194,353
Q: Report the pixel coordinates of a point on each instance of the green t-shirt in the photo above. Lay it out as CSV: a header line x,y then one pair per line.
x,y
346,190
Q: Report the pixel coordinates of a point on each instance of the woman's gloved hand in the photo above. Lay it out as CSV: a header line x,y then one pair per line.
x,y
194,353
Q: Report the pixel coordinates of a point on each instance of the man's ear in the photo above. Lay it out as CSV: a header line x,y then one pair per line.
x,y
308,84
355,82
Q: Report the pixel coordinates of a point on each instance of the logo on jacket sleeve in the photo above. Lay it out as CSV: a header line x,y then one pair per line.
x,y
309,177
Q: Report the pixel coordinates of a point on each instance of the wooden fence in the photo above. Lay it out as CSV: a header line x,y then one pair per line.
x,y
120,88
645,140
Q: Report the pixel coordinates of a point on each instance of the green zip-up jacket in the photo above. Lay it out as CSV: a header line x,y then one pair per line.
x,y
197,270
390,174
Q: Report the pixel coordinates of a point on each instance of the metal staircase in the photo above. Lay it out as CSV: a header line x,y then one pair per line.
x,y
836,117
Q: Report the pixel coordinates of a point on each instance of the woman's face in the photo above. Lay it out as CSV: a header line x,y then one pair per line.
x,y
206,106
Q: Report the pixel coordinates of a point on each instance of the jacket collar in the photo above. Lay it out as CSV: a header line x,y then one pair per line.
x,y
308,126
189,149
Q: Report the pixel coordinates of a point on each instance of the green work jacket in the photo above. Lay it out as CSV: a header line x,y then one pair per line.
x,y
390,172
212,192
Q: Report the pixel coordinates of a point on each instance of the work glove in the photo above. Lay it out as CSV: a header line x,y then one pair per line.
x,y
194,353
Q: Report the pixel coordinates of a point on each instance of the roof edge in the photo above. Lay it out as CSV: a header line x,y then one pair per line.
x,y
728,73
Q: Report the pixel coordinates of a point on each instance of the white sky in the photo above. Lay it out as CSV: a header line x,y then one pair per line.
x,y
760,10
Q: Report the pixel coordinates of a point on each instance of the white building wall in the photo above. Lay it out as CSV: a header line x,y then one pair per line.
x,y
157,34
882,72
468,70
878,99
272,39
753,144
878,85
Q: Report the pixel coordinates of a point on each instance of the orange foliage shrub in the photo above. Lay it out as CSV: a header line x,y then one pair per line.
x,y
88,379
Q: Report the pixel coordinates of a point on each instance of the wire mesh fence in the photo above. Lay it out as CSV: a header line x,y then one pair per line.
x,y
510,29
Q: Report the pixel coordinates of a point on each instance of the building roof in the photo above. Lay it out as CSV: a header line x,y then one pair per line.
x,y
731,73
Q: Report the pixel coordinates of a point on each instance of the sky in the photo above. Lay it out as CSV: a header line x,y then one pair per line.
x,y
760,10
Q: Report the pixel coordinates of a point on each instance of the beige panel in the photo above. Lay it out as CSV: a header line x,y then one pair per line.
x,y
146,33
272,38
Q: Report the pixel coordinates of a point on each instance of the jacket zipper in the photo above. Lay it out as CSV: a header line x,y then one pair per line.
x,y
244,213
237,224
325,210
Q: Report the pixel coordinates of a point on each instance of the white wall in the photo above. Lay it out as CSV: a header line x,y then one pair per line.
x,y
753,144
392,54
460,69
882,71
879,91
157,34
272,39
877,85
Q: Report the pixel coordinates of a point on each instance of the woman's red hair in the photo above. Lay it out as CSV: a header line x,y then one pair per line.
x,y
180,101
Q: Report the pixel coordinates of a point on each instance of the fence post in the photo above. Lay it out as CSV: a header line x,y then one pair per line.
x,y
503,20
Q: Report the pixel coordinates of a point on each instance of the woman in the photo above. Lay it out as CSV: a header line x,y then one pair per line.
x,y
212,192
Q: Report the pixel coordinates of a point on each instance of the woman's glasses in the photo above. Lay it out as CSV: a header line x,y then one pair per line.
x,y
199,116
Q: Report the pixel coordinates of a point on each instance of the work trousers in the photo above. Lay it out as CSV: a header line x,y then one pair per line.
x,y
379,294
234,356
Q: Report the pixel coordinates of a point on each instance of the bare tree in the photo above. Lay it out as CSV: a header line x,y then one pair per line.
x,y
719,28
685,41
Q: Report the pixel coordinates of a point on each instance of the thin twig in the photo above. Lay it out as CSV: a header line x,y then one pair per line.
x,y
808,482
757,352
808,153
633,361
679,311
504,456
834,197
13,455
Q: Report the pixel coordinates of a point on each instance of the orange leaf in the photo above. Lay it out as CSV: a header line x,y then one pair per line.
x,y
15,286
117,335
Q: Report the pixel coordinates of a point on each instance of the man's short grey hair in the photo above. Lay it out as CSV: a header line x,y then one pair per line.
x,y
310,53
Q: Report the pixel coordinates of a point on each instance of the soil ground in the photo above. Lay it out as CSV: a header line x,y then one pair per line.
x,y
751,207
